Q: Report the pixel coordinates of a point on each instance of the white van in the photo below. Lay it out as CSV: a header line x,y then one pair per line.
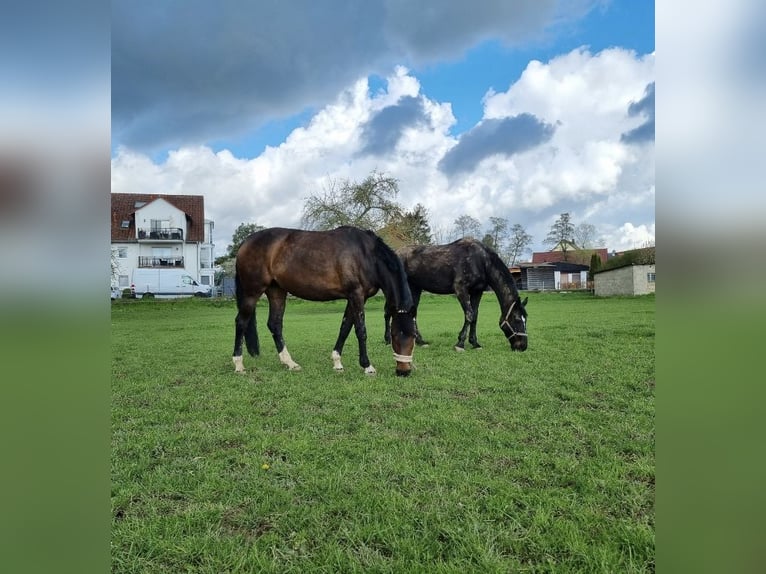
x,y
167,283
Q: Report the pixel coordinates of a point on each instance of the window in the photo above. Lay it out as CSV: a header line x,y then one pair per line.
x,y
125,223
158,224
123,281
122,252
205,279
650,277
205,259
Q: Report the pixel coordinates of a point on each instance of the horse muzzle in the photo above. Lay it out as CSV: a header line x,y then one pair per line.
x,y
518,342
403,365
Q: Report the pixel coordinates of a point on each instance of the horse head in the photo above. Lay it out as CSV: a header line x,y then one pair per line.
x,y
402,340
514,324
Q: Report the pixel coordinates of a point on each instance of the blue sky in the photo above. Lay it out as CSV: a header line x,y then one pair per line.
x,y
515,109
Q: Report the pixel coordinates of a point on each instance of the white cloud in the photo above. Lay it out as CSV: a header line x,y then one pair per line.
x,y
629,236
584,168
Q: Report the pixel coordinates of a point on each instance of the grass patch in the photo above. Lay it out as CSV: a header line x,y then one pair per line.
x,y
485,460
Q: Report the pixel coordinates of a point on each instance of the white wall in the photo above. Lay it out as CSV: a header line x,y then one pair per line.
x,y
160,209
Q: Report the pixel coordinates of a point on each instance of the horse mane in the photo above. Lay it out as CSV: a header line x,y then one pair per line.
x,y
391,271
499,274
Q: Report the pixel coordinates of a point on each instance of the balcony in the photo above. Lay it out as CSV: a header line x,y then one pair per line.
x,y
160,262
164,234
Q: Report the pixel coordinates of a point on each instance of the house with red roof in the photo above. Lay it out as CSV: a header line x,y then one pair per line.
x,y
156,231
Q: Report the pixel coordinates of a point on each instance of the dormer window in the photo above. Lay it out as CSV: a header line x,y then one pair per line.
x,y
125,223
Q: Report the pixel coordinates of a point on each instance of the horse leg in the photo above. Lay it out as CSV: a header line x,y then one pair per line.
x,y
244,326
465,303
475,301
416,302
355,312
387,326
277,302
345,328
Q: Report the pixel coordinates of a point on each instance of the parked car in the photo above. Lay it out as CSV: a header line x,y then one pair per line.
x,y
115,292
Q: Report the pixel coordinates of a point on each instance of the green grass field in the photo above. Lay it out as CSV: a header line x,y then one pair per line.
x,y
482,461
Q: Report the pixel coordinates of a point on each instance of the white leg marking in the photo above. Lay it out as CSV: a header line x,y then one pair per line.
x,y
337,365
287,360
238,366
459,349
370,370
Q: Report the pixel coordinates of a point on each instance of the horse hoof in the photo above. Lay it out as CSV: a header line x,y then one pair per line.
x,y
294,368
338,369
370,370
459,349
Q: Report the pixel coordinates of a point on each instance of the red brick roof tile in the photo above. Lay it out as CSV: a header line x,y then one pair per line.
x,y
124,209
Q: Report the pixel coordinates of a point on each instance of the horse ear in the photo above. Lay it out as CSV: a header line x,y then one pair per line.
x,y
524,302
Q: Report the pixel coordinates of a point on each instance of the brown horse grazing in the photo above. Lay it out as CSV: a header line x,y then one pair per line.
x,y
345,263
465,267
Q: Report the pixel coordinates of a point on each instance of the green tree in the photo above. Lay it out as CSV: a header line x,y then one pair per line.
x,y
595,265
562,234
368,205
489,241
518,244
414,225
239,235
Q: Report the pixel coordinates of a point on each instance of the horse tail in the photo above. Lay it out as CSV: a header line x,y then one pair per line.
x,y
251,331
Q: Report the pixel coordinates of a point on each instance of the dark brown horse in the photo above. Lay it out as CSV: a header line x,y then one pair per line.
x,y
465,267
345,263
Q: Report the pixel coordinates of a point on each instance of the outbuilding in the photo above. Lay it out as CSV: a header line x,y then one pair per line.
x,y
633,279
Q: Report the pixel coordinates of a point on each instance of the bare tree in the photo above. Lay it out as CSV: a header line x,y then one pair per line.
x,y
519,243
585,235
440,235
498,229
467,226
368,204
114,264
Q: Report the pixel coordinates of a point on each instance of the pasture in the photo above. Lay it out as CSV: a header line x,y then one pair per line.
x,y
482,461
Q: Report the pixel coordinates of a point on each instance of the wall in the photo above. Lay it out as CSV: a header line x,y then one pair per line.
x,y
160,209
540,279
641,286
624,281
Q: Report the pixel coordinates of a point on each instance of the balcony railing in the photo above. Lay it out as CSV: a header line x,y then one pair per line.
x,y
164,234
151,261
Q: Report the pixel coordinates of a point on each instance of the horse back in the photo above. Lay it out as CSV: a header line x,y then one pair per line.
x,y
437,268
313,265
